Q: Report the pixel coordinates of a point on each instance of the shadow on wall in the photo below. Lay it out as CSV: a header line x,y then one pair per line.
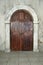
x,y
40,46
2,44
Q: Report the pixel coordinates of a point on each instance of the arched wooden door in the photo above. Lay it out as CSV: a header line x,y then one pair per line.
x,y
21,31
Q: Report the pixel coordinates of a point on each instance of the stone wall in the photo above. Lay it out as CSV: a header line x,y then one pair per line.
x,y
7,5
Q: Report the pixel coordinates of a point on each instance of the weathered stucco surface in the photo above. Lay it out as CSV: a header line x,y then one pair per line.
x,y
7,5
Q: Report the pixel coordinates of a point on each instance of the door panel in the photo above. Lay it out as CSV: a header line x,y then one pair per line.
x,y
15,38
27,36
21,29
21,36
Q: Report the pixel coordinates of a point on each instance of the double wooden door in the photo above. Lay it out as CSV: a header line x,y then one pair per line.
x,y
21,32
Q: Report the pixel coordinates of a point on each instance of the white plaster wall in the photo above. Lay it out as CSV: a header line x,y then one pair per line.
x,y
2,33
7,5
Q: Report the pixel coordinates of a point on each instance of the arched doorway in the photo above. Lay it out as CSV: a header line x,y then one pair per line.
x,y
21,31
35,26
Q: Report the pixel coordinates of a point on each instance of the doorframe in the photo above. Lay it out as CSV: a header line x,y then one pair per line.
x,y
7,26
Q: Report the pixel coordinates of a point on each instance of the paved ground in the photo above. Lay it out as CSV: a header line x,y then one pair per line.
x,y
21,58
